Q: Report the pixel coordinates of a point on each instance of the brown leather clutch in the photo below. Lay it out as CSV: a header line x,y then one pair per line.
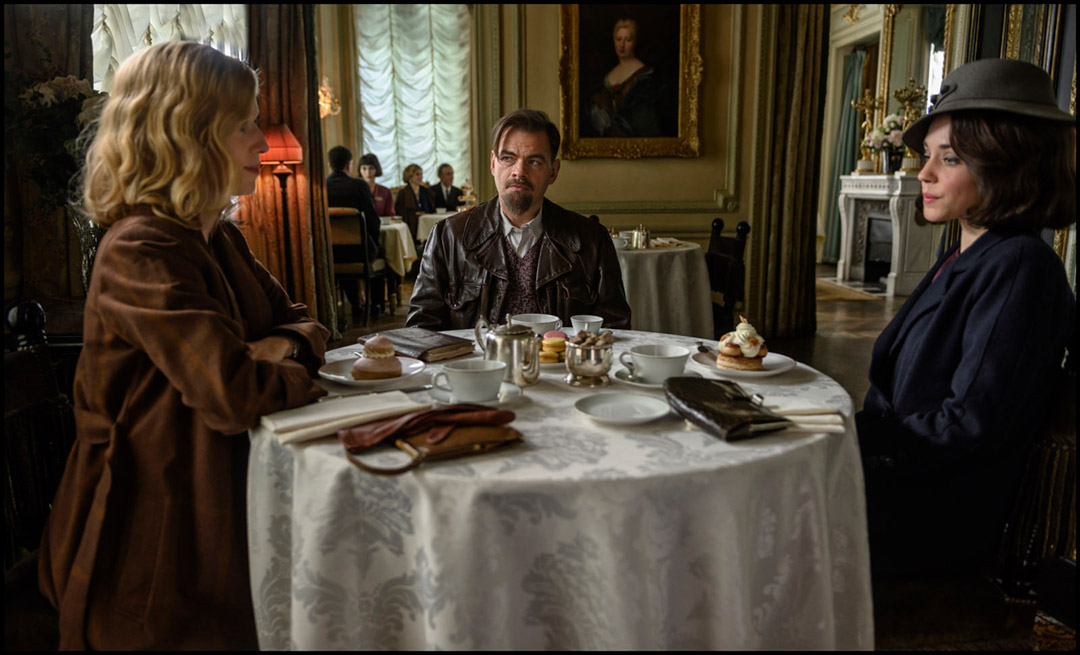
x,y
721,408
443,433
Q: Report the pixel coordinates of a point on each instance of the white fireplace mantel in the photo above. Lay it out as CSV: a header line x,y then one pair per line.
x,y
911,242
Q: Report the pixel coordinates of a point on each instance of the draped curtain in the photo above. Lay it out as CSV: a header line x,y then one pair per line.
x,y
122,30
847,150
786,225
414,87
282,39
40,42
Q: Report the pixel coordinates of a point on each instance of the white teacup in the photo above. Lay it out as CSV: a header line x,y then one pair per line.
x,y
385,220
620,243
655,363
626,234
539,323
470,381
440,210
587,322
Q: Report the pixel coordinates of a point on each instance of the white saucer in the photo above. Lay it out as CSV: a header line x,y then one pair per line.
x,y
507,393
622,408
773,364
623,375
339,372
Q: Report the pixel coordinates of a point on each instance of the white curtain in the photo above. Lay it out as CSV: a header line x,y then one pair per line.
x,y
414,88
122,30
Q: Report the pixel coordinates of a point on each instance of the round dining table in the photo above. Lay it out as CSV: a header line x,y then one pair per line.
x,y
586,536
668,290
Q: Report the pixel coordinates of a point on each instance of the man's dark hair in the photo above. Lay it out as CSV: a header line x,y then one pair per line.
x,y
1024,168
526,120
339,156
439,171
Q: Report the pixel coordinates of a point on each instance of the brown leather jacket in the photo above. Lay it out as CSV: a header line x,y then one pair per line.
x,y
464,273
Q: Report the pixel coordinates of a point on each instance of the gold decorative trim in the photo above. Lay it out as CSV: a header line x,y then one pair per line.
x,y
950,17
1061,242
852,15
888,15
686,144
634,207
1012,40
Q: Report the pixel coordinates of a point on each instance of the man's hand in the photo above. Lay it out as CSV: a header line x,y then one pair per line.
x,y
274,348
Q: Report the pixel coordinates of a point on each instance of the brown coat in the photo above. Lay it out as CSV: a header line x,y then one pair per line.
x,y
146,544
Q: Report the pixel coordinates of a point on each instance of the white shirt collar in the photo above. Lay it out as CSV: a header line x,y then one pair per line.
x,y
535,226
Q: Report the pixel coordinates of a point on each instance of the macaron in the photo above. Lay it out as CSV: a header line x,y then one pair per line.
x,y
554,334
548,357
553,344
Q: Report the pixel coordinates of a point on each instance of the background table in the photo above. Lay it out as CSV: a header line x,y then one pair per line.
x,y
427,222
654,536
398,243
668,290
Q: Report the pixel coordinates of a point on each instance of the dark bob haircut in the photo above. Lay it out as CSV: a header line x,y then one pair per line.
x,y
1024,168
370,160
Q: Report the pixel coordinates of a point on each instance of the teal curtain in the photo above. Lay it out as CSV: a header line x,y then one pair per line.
x,y
847,151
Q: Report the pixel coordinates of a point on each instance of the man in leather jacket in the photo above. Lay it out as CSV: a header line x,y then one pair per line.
x,y
519,252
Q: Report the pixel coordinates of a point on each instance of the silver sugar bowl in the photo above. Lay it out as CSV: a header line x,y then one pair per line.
x,y
588,366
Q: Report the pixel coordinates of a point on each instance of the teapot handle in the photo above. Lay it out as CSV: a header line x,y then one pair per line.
x,y
481,323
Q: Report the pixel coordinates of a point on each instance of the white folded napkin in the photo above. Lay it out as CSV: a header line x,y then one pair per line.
x,y
664,242
324,419
801,410
816,427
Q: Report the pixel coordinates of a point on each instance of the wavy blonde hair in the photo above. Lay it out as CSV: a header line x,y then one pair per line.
x,y
409,171
161,139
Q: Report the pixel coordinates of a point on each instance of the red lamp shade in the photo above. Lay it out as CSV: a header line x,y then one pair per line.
x,y
284,148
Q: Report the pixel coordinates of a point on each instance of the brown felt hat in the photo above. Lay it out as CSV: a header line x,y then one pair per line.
x,y
1005,85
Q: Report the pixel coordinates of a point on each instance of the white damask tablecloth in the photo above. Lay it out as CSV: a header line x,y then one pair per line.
x,y
668,290
654,536
398,243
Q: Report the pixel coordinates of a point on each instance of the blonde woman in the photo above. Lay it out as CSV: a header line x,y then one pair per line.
x,y
187,342
414,195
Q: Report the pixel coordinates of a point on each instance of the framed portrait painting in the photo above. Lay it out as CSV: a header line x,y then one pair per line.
x,y
629,77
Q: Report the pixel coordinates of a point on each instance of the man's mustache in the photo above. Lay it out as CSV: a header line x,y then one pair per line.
x,y
523,183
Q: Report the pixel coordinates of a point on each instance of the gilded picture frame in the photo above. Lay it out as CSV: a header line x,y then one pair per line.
x,y
594,125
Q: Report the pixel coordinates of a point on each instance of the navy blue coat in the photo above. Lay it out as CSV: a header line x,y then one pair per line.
x,y
959,383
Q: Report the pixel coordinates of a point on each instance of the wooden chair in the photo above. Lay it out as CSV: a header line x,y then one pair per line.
x,y
724,261
347,229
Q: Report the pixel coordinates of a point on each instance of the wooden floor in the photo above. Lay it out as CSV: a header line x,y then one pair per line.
x,y
909,614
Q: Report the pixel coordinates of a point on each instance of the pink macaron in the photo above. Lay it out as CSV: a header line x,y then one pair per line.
x,y
554,334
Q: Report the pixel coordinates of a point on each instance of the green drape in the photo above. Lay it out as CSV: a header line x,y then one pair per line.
x,y
784,234
847,150
282,43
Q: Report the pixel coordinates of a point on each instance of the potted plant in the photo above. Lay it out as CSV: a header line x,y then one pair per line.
x,y
886,139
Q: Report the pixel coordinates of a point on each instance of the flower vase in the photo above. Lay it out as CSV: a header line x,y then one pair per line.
x,y
891,162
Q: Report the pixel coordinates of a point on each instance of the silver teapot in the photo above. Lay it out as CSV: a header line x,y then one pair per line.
x,y
517,345
639,239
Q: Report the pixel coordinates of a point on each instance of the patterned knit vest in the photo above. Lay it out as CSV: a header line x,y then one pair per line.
x,y
521,291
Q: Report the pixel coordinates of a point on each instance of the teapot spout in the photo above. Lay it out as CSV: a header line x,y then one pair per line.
x,y
482,328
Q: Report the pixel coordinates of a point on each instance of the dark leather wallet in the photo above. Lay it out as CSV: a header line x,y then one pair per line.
x,y
442,433
721,408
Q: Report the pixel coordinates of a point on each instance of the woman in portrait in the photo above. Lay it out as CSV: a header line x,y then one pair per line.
x,y
630,100
960,379
384,198
187,342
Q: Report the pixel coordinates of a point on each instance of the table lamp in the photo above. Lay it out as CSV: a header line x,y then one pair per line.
x,y
284,151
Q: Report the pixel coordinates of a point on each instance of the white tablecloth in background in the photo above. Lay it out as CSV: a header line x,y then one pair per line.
x,y
668,290
400,251
426,222
655,536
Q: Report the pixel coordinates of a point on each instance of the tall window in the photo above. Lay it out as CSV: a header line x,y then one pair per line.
x,y
414,88
122,30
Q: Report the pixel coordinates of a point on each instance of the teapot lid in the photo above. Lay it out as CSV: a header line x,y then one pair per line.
x,y
510,330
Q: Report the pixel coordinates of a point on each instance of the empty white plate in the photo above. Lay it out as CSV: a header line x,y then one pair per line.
x,y
339,372
507,393
622,408
623,375
773,364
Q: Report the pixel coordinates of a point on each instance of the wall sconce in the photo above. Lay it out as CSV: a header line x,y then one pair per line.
x,y
284,151
328,102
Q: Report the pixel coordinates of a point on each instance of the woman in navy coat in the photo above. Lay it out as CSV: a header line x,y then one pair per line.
x,y
961,377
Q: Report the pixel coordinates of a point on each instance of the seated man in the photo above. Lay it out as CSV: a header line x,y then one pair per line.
x,y
519,252
446,194
343,190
